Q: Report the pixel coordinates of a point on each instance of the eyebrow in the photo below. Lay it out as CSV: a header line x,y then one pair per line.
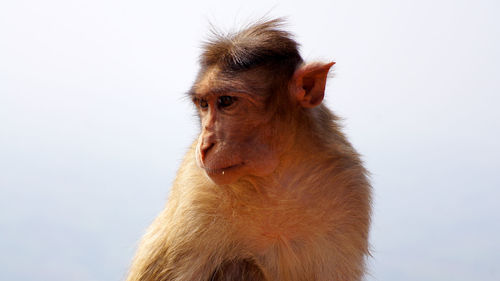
x,y
217,91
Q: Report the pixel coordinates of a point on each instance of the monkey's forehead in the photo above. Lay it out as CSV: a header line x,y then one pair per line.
x,y
216,81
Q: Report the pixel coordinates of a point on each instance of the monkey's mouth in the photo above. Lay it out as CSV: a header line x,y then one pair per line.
x,y
222,171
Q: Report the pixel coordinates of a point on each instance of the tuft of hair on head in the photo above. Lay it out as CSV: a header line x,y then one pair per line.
x,y
264,42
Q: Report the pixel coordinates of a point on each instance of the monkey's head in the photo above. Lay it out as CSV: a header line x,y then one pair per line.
x,y
250,90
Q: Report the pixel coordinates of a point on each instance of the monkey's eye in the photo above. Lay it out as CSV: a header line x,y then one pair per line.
x,y
225,101
203,104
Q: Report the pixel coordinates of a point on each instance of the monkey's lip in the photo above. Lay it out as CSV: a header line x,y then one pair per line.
x,y
222,170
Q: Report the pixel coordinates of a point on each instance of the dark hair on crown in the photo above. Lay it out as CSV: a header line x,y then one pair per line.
x,y
261,43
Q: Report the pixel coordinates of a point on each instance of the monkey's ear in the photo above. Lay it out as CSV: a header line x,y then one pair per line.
x,y
308,83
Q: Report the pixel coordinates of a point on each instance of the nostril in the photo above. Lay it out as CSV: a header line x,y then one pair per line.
x,y
205,148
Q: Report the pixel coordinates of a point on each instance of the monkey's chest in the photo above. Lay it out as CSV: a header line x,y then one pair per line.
x,y
281,230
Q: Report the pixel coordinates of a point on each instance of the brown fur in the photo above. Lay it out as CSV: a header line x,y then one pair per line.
x,y
306,218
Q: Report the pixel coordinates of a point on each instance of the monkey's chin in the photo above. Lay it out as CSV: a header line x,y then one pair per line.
x,y
226,175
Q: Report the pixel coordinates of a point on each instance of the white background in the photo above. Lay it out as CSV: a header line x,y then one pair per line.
x,y
94,123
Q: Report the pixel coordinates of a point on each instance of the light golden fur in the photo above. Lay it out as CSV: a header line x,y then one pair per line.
x,y
307,221
297,205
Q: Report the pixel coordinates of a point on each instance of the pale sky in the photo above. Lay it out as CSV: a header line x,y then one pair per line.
x,y
94,123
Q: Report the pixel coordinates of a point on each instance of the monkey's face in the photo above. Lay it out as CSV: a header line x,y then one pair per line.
x,y
237,135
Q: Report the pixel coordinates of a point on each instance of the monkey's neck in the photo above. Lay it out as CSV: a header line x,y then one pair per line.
x,y
317,152
302,168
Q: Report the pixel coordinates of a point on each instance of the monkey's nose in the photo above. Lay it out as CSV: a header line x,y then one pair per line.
x,y
205,147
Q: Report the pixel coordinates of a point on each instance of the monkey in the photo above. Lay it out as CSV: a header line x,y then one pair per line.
x,y
271,189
